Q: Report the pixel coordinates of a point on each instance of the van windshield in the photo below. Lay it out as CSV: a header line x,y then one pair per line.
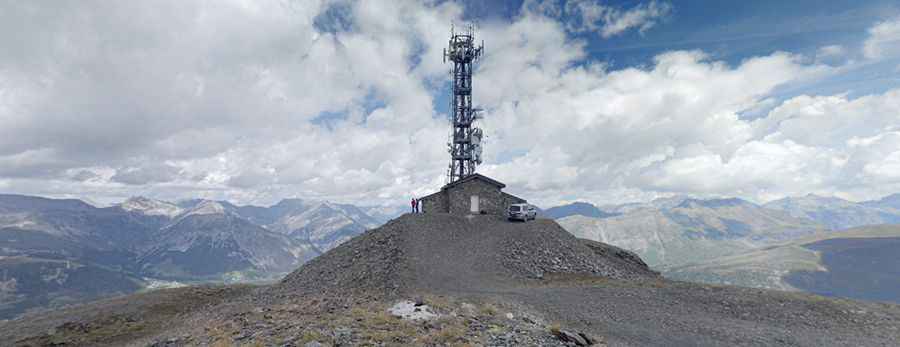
x,y
515,208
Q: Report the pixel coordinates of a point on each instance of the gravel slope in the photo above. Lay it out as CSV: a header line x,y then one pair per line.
x,y
446,253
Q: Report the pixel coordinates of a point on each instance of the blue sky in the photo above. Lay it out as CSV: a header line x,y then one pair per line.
x,y
732,31
727,30
345,100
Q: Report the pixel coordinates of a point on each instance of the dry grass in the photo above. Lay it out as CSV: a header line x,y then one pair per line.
x,y
554,328
222,343
488,310
452,331
439,303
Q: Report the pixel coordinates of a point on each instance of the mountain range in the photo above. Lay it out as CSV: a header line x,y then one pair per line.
x,y
691,231
789,244
59,251
858,263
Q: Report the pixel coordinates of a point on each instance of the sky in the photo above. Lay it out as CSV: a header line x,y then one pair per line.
x,y
599,101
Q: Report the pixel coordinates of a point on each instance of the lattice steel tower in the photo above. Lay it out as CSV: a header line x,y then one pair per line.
x,y
465,140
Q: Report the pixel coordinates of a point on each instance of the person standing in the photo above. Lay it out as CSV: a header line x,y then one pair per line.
x,y
414,204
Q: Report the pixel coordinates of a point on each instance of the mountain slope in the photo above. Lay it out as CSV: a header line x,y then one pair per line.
x,y
322,223
576,208
857,263
325,225
692,230
126,243
28,282
209,240
55,252
835,213
890,203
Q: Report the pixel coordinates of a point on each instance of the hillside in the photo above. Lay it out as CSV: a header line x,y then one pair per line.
x,y
482,281
856,263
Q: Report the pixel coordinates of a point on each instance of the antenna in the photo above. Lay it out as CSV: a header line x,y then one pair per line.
x,y
465,145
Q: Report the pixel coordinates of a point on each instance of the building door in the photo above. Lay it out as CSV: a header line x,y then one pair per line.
x,y
474,205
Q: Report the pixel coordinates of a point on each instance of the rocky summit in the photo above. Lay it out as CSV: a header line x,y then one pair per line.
x,y
444,280
443,252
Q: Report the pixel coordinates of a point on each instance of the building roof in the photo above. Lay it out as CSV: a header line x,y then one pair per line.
x,y
473,177
513,196
431,195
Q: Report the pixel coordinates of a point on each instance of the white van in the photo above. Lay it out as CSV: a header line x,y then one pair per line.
x,y
522,212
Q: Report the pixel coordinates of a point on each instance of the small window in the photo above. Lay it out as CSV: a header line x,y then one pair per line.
x,y
515,208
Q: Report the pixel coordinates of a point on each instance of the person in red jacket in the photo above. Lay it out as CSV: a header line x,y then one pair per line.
x,y
415,205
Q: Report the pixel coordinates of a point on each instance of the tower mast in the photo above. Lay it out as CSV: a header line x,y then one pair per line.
x,y
465,140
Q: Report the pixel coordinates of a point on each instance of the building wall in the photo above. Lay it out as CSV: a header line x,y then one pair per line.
x,y
490,199
435,203
458,199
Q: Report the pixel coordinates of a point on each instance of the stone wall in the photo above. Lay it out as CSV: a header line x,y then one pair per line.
x,y
490,199
435,203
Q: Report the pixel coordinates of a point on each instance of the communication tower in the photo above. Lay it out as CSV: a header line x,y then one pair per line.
x,y
465,139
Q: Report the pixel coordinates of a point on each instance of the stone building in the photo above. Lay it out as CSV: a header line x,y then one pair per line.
x,y
474,194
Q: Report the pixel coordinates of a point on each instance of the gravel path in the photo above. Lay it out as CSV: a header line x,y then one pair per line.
x,y
669,313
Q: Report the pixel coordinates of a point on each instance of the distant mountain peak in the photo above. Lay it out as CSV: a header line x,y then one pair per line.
x,y
889,201
290,201
713,203
150,207
207,207
815,196
578,208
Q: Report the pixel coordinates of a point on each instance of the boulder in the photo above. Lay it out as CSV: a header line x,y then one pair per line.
x,y
576,338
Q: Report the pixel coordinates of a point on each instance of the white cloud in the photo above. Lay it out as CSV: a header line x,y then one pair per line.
x,y
613,126
830,51
608,21
642,17
255,103
883,40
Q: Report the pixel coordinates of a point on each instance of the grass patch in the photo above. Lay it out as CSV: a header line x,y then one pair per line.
x,y
452,332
